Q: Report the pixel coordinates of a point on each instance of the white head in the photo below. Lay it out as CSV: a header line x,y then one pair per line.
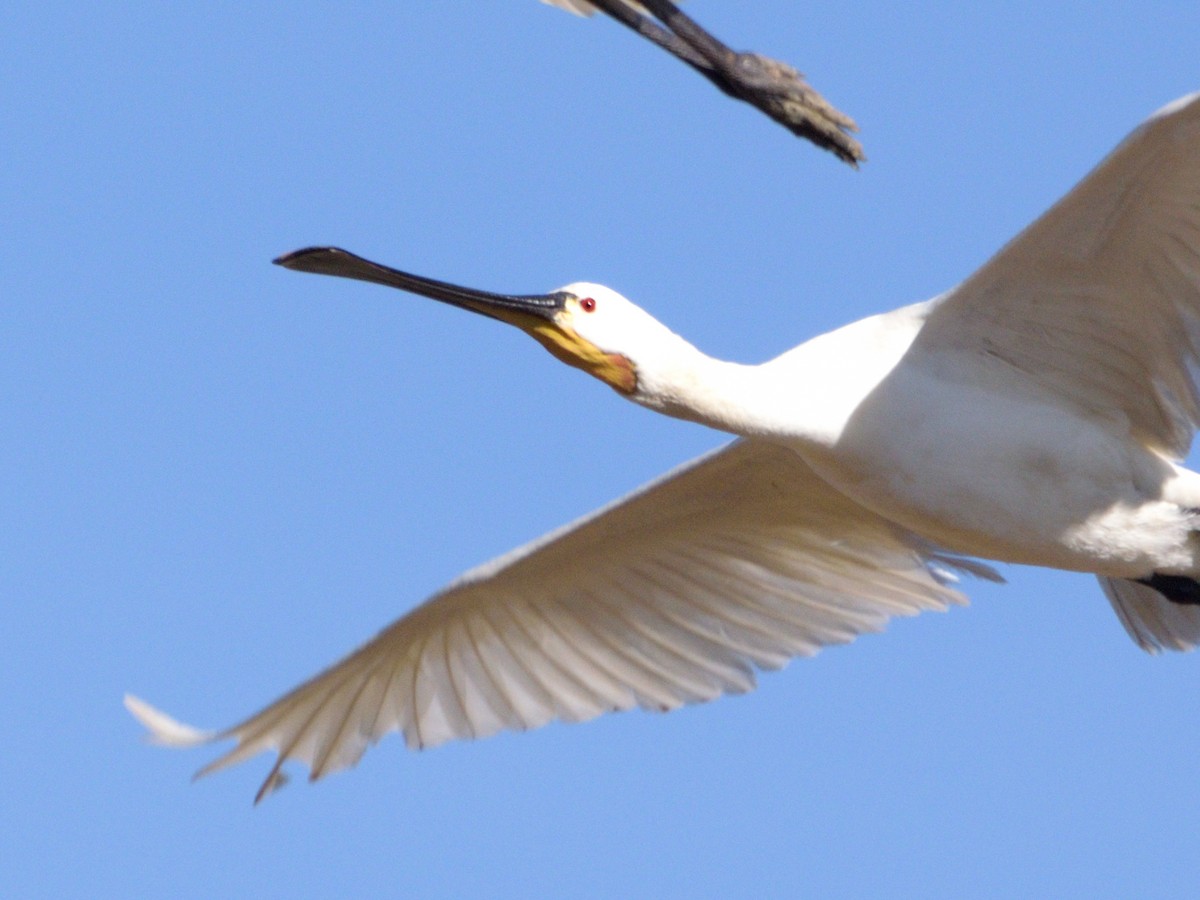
x,y
609,336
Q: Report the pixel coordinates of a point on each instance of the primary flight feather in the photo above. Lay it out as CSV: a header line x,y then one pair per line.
x,y
1034,414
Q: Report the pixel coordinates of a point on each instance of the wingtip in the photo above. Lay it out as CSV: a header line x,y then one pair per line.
x,y
1175,105
164,730
274,781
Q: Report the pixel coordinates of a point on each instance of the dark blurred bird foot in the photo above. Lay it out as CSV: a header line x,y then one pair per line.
x,y
1176,588
782,93
773,87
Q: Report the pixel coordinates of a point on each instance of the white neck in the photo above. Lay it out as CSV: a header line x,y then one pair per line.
x,y
806,395
739,399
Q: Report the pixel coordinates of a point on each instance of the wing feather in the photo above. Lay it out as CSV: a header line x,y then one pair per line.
x,y
1098,301
676,594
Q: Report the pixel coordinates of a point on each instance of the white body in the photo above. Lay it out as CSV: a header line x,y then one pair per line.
x,y
989,467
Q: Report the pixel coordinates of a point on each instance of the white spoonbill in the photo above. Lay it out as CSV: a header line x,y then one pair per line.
x,y
1033,414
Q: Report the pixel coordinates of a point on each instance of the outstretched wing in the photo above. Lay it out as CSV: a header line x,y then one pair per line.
x,y
1098,300
740,559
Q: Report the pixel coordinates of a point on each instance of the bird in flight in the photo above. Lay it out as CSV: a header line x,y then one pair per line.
x,y
1034,414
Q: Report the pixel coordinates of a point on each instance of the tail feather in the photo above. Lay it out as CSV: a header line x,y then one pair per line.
x,y
1154,622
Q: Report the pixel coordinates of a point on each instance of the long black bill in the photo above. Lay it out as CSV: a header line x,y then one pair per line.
x,y
342,263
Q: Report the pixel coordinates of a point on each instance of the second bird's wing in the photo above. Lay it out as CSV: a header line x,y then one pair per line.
x,y
742,558
1098,301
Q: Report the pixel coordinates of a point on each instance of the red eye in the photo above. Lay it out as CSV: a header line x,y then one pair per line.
x,y
587,304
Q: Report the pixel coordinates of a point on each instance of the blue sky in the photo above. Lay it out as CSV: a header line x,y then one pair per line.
x,y
220,476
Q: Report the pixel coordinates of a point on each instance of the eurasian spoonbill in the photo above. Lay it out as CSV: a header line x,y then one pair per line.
x,y
1034,414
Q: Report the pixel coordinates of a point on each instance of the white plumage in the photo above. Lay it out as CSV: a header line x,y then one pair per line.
x,y
1034,414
